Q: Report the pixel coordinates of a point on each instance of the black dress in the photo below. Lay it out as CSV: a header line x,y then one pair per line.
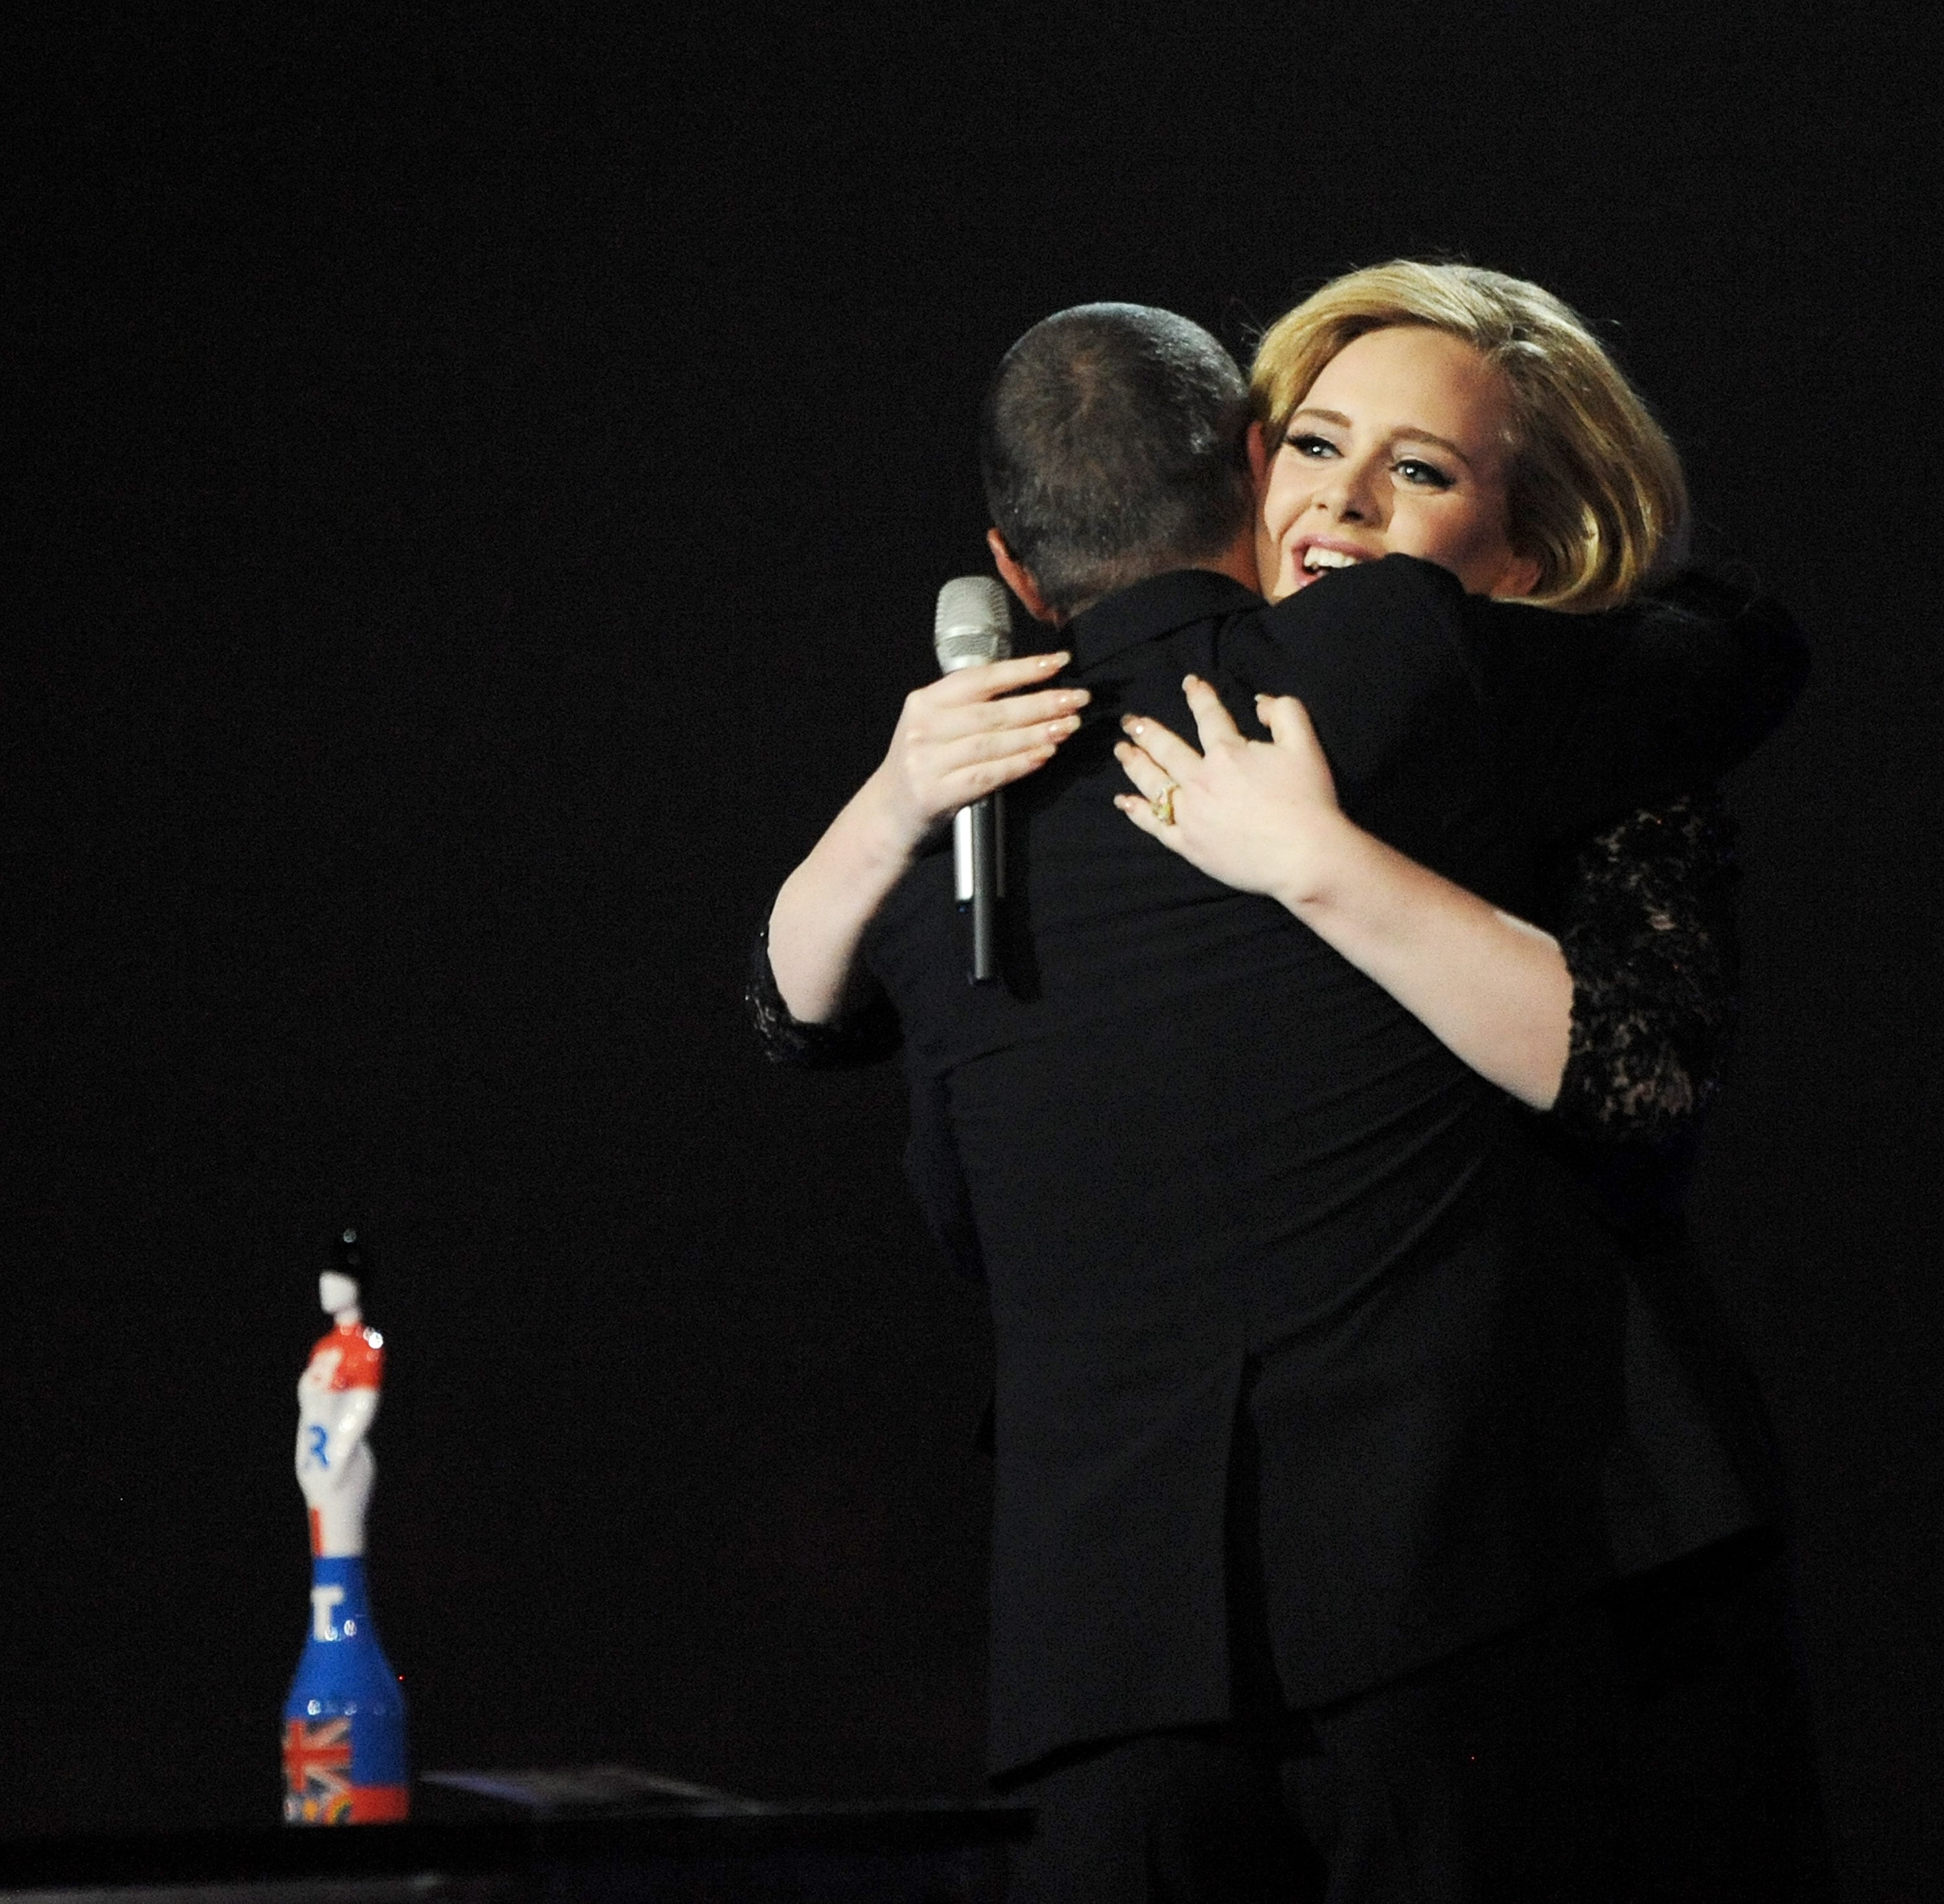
x,y
1441,1320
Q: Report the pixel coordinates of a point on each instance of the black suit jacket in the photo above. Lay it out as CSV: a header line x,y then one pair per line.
x,y
1211,1165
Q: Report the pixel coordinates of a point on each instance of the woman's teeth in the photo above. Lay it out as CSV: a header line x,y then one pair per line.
x,y
1313,559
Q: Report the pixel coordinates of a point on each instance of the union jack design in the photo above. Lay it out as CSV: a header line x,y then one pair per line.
x,y
317,1772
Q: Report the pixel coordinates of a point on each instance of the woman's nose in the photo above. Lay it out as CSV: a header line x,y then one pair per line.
x,y
1348,495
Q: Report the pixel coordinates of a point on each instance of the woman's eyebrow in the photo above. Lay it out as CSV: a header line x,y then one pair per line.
x,y
1416,435
1409,430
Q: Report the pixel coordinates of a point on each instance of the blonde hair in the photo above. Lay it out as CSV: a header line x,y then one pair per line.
x,y
1595,493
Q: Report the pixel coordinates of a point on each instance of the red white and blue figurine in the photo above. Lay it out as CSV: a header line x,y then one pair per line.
x,y
344,1722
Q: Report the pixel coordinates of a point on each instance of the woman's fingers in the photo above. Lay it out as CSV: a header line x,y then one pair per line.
x,y
986,679
954,705
996,743
956,742
1166,749
1291,728
974,782
1141,769
1212,721
1142,812
1019,710
1287,720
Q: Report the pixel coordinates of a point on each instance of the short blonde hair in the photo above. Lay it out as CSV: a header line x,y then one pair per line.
x,y
1594,494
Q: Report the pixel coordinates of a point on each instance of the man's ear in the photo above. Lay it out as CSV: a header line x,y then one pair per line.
x,y
1258,460
1019,581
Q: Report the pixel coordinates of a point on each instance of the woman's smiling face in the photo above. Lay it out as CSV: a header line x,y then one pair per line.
x,y
1400,448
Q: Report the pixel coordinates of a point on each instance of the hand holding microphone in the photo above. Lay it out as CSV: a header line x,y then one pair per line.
x,y
984,723
958,739
973,631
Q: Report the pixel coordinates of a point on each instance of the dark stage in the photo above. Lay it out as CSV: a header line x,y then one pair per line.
x,y
481,486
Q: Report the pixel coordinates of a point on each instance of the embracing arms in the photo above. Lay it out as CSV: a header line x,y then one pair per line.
x,y
958,739
1621,1019
1618,1025
1263,816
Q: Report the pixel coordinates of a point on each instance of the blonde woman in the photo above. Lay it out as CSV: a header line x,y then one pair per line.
x,y
1472,419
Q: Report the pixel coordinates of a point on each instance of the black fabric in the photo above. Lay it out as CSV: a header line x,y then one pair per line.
x,y
1698,674
1193,1139
1643,911
1650,1745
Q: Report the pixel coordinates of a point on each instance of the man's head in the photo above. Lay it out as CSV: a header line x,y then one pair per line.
x,y
1113,443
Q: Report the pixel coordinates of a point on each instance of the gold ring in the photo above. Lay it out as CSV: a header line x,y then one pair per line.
x,y
1163,804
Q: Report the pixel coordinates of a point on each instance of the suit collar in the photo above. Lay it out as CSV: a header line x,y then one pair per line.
x,y
1151,608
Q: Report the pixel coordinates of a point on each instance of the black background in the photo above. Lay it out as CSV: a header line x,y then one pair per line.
x,y
482,482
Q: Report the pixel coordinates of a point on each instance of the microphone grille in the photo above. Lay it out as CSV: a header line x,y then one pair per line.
x,y
973,625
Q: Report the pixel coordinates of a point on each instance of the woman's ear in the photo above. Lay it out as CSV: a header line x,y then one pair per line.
x,y
1020,580
1518,577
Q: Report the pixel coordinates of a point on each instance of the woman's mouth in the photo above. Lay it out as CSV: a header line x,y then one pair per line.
x,y
1319,558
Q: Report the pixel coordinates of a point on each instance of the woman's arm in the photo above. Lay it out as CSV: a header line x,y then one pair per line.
x,y
957,739
1496,990
1618,1026
1263,816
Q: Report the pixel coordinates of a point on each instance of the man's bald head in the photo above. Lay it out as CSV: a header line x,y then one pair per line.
x,y
1113,444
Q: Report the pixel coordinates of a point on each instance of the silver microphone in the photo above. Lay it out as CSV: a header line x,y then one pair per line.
x,y
973,626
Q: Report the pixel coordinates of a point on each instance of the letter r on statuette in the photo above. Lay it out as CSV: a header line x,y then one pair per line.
x,y
323,1601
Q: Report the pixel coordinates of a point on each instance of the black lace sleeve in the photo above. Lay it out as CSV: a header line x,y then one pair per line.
x,y
1645,921
860,1037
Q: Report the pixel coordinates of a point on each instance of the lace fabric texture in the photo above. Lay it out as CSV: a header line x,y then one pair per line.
x,y
862,1037
1645,921
1644,916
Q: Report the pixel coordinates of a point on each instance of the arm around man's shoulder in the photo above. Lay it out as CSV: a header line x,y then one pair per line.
x,y
1601,714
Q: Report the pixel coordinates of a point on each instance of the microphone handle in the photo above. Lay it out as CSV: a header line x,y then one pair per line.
x,y
963,878
984,884
978,866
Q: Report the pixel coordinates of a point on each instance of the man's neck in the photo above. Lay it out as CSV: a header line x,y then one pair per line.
x,y
1237,562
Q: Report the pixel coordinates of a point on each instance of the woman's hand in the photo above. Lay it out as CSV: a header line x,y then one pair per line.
x,y
968,732
1263,816
1259,815
958,739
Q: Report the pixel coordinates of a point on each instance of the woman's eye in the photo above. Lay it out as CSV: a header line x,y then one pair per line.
x,y
1421,474
1306,445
